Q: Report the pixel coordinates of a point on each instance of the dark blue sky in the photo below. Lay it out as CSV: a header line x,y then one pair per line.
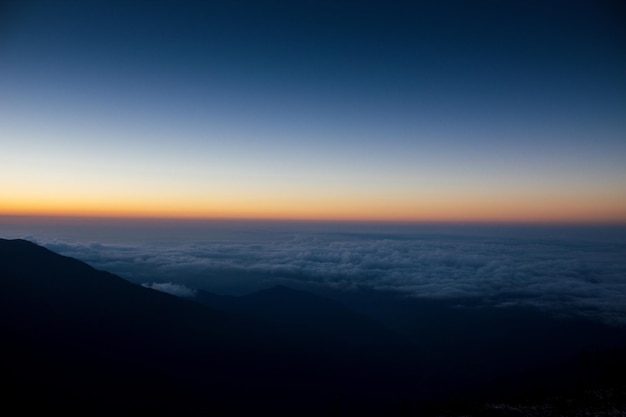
x,y
479,110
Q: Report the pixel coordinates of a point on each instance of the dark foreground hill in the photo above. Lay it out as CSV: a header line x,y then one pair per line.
x,y
83,341
79,339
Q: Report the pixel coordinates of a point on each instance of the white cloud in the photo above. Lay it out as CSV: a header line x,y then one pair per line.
x,y
170,288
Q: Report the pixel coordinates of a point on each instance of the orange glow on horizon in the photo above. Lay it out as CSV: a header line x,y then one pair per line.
x,y
331,210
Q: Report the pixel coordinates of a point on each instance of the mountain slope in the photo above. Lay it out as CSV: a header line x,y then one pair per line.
x,y
72,331
76,338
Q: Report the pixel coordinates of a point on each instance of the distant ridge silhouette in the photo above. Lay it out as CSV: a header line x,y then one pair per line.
x,y
307,315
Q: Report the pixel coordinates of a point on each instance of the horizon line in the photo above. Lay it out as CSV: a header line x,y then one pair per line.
x,y
416,221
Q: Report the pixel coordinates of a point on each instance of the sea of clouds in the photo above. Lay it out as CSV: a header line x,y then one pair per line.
x,y
581,275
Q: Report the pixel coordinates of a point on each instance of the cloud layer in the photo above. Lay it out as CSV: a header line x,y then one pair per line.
x,y
581,275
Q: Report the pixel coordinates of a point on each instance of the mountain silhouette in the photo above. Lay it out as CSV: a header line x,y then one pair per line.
x,y
77,336
308,317
81,340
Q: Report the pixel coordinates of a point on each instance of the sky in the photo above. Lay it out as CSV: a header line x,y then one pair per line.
x,y
411,111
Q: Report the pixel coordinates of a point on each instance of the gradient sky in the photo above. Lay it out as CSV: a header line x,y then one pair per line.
x,y
484,111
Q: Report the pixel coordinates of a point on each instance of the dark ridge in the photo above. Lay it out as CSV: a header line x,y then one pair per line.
x,y
77,340
77,335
